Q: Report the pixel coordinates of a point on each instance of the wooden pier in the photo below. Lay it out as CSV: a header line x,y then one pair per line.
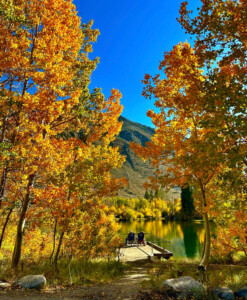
x,y
150,251
163,253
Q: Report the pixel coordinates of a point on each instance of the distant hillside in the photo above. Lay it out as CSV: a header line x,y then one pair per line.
x,y
134,169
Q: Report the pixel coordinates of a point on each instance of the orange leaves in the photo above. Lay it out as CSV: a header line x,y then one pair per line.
x,y
184,148
183,79
219,25
41,42
56,132
104,117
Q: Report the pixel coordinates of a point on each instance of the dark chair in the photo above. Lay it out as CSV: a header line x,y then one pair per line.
x,y
140,238
130,238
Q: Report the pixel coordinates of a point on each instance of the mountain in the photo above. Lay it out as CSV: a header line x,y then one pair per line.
x,y
134,169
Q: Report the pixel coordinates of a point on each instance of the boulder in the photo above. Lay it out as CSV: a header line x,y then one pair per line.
x,y
242,293
223,293
31,282
5,285
183,287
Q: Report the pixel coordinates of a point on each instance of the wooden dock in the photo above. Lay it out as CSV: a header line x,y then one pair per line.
x,y
150,251
162,253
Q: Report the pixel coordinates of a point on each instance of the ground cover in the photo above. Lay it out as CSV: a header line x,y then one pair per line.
x,y
134,280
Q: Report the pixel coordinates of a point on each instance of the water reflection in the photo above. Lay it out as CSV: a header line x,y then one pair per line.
x,y
191,240
186,237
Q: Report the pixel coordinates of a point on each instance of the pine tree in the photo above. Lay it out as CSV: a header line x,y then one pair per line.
x,y
146,195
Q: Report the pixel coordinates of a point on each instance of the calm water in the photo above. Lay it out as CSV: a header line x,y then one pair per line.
x,y
186,237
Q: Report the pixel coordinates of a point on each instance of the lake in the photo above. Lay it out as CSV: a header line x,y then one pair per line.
x,y
186,238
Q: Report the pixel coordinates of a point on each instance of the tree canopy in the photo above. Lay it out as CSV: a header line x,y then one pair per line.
x,y
200,134
54,133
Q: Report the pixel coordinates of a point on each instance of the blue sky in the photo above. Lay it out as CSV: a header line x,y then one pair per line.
x,y
133,37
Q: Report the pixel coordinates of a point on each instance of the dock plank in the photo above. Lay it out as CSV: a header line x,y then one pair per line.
x,y
136,253
162,252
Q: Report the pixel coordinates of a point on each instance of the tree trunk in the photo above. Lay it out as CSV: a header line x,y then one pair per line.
x,y
54,240
58,250
207,239
206,247
3,183
21,224
5,225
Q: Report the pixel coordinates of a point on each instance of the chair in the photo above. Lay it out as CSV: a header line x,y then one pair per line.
x,y
130,238
140,238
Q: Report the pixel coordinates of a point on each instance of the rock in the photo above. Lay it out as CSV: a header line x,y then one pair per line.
x,y
5,285
31,282
242,293
223,293
183,287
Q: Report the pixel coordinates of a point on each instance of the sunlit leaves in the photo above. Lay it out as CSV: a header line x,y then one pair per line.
x,y
200,136
54,133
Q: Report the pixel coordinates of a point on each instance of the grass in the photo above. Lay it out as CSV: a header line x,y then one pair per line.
x,y
238,258
231,276
80,272
76,272
91,271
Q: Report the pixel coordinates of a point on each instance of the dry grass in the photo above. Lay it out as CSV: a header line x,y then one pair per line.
x,y
75,272
231,276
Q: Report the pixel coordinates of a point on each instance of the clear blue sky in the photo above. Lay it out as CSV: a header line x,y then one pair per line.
x,y
133,37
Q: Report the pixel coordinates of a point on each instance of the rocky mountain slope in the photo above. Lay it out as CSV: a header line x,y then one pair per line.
x,y
134,169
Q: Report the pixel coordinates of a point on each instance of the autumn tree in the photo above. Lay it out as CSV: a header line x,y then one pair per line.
x,y
181,145
229,213
88,176
221,44
220,32
200,132
45,71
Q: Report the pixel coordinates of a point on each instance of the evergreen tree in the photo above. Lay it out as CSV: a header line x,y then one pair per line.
x,y
146,195
159,193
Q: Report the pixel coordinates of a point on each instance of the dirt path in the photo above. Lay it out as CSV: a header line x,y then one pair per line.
x,y
127,287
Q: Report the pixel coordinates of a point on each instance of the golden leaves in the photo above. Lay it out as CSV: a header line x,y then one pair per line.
x,y
58,132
